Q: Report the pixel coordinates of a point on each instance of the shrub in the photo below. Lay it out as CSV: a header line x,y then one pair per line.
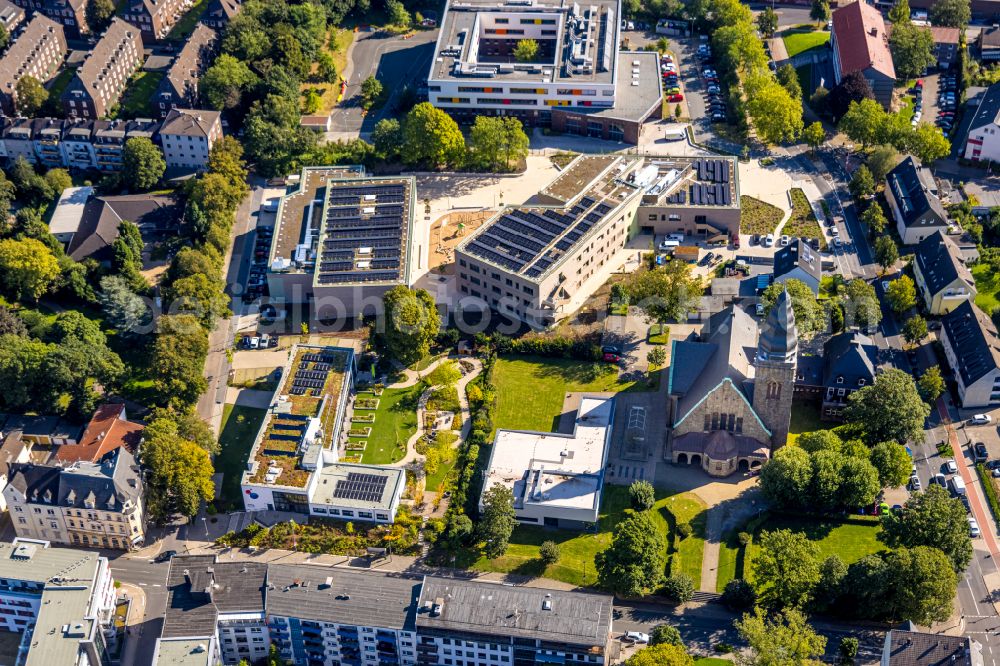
x,y
642,495
549,552
744,539
679,588
684,529
665,634
739,595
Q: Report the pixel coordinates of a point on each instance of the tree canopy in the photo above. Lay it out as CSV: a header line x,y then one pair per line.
x,y
411,323
430,136
666,294
786,568
497,520
633,564
890,409
143,163
810,318
785,639
28,269
932,518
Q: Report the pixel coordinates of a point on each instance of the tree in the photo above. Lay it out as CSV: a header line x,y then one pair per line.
x,y
923,584
445,374
4,38
931,384
832,573
809,315
549,552
411,323
326,68
185,424
900,12
826,479
11,324
29,95
789,79
143,163
495,141
786,568
398,15
820,11
661,655
814,135
861,306
99,13
178,360
853,87
819,440
886,252
665,634
893,464
902,293
526,50
862,183
432,137
888,409
786,478
223,84
666,294
371,92
848,649
201,295
179,476
859,483
642,495
932,518
58,180
912,49
928,143
787,638
656,356
915,329
739,595
679,587
767,22
387,137
775,114
881,161
633,564
27,268
951,13
875,218
497,520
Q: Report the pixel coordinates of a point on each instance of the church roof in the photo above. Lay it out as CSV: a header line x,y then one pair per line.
x,y
779,336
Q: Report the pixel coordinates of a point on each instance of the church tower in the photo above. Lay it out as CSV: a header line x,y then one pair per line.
x,y
774,377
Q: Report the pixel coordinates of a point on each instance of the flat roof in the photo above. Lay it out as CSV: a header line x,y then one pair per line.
x,y
638,89
533,240
367,225
328,594
359,486
183,651
302,419
28,560
555,469
694,182
493,608
69,210
583,47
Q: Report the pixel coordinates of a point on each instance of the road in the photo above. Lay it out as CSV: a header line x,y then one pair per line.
x,y
151,578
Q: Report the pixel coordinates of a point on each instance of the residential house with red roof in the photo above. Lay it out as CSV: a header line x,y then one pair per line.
x,y
860,43
109,429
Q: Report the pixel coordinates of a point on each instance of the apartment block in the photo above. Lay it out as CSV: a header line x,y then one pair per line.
x,y
96,504
11,16
972,346
38,51
60,600
537,263
70,14
179,88
187,137
155,17
101,79
73,144
220,13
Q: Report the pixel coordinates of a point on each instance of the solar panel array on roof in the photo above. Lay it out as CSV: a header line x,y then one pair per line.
x,y
710,195
372,216
360,486
714,171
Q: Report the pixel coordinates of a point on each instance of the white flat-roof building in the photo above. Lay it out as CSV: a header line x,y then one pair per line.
x,y
556,478
68,215
358,492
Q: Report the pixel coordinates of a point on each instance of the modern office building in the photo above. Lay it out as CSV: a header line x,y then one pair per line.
x,y
38,52
60,600
696,197
342,240
556,478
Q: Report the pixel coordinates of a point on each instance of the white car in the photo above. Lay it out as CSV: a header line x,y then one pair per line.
x,y
973,528
834,231
768,240
981,419
915,482
951,466
635,637
785,240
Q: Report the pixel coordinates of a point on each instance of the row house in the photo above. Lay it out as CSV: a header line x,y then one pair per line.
x,y
155,17
70,14
72,144
179,88
38,52
220,13
101,80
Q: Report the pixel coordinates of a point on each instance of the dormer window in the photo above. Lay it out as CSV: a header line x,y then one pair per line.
x,y
861,382
840,379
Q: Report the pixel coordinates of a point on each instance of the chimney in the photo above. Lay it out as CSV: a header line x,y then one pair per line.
x,y
874,31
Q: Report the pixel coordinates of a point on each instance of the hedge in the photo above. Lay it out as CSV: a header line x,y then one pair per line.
x,y
986,479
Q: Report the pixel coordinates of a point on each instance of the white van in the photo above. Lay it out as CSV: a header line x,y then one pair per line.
x,y
669,245
676,237
957,485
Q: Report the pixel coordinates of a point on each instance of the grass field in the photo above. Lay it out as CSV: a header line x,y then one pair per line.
x,y
658,334
336,45
988,288
577,549
530,389
186,25
137,100
804,74
851,540
758,217
239,427
395,423
803,222
800,41
805,418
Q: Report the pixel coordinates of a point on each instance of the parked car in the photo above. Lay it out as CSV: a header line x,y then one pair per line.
x,y
951,466
981,419
636,637
914,482
785,240
980,452
676,97
165,556
973,528
940,479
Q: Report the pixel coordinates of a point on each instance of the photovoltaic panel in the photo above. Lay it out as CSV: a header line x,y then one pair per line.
x,y
360,486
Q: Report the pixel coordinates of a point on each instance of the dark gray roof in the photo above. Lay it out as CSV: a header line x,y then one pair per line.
x,y
181,80
494,609
914,648
990,37
327,594
973,336
910,187
778,336
940,262
989,107
103,215
199,588
797,254
851,355
105,484
97,231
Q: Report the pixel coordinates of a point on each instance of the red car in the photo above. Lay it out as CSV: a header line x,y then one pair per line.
x,y
679,97
611,358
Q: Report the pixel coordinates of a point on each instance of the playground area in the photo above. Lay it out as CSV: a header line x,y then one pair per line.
x,y
450,230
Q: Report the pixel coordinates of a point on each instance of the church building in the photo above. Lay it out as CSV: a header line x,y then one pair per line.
x,y
730,393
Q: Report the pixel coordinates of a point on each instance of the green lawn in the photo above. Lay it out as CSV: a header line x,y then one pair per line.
x,y
137,100
395,423
424,362
804,75
803,223
987,286
711,661
758,217
577,549
449,455
530,389
56,87
239,428
658,334
186,25
805,418
799,41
